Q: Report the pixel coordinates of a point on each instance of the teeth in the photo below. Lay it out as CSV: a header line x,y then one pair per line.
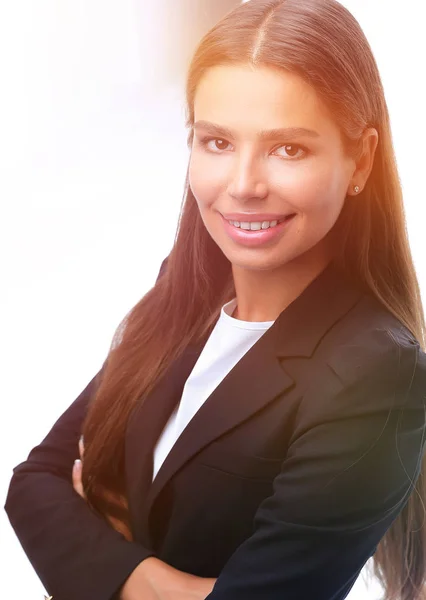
x,y
253,226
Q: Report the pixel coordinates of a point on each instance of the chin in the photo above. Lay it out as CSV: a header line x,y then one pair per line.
x,y
259,264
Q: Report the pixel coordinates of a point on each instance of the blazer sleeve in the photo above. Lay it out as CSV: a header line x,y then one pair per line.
x,y
351,465
76,554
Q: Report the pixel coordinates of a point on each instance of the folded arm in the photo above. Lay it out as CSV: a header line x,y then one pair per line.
x,y
74,551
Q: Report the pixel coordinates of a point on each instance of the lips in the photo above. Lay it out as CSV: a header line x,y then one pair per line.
x,y
256,238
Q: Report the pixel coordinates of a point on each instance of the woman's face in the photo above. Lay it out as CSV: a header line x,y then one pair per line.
x,y
233,170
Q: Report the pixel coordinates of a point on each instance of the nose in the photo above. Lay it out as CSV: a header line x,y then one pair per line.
x,y
247,180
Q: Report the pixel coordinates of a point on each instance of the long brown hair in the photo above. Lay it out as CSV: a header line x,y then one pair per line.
x,y
323,43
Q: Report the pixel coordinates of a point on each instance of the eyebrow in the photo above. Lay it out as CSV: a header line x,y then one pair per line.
x,y
264,135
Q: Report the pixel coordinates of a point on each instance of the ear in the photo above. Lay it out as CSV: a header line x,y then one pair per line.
x,y
365,160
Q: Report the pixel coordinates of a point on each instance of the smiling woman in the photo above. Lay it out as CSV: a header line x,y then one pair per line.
x,y
258,427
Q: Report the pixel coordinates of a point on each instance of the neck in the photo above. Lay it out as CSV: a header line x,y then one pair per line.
x,y
263,294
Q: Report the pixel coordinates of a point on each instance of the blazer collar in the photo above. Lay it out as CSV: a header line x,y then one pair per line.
x,y
303,324
252,383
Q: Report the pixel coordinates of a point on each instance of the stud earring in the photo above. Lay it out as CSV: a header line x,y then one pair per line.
x,y
356,189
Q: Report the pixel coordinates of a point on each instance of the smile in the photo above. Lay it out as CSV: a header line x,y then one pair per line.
x,y
256,233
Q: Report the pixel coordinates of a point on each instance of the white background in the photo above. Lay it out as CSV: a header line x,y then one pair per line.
x,y
93,158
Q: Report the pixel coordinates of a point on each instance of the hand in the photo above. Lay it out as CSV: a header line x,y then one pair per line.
x,y
77,471
78,487
154,579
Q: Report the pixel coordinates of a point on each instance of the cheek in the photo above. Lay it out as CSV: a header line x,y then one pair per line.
x,y
315,191
205,181
205,173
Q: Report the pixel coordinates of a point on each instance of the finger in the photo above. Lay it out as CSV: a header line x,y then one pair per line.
x,y
81,447
76,478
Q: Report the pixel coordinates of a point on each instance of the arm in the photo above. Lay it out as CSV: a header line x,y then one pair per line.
x,y
76,554
355,452
58,531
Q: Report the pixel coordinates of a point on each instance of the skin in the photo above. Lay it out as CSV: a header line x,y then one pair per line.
x,y
240,173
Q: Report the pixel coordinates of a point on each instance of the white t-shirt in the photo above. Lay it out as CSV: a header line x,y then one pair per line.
x,y
228,342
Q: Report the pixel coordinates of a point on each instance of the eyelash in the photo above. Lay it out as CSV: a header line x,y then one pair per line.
x,y
205,140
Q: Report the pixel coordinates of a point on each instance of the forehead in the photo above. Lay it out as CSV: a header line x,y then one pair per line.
x,y
249,99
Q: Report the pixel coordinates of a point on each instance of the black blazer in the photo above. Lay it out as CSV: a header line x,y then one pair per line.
x,y
282,484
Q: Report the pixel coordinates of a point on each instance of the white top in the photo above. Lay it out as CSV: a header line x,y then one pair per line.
x,y
229,340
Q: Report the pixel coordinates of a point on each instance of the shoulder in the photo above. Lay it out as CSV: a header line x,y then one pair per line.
x,y
371,351
369,332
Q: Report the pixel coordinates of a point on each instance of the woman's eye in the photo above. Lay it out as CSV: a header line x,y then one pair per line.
x,y
293,150
219,144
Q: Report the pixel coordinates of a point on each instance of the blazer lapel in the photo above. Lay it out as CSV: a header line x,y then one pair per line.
x,y
252,383
144,427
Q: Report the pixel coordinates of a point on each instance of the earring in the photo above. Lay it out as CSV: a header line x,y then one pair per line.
x,y
356,189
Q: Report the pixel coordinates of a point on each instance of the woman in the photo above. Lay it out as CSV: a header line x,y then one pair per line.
x,y
257,429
